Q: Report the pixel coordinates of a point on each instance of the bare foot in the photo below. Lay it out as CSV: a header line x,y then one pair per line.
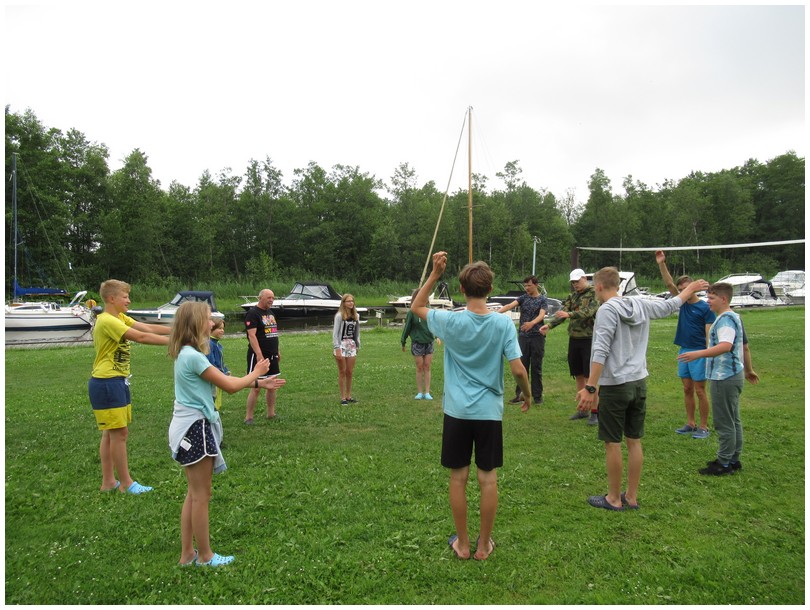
x,y
482,553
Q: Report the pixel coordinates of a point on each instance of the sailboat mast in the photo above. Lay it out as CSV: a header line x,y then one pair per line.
x,y
469,181
14,214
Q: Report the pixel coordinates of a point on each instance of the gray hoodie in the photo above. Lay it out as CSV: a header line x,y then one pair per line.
x,y
620,335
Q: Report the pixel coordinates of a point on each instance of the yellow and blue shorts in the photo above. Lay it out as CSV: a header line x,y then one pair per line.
x,y
111,401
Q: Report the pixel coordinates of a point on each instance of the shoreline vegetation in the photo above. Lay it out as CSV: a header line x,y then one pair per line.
x,y
347,505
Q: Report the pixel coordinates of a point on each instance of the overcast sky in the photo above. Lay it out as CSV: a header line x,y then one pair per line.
x,y
655,92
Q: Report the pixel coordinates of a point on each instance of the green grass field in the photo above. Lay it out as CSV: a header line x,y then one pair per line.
x,y
348,505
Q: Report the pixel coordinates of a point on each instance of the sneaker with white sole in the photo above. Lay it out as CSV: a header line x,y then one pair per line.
x,y
427,396
686,429
701,433
419,396
593,420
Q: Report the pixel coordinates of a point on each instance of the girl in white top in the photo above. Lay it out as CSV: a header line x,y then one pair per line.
x,y
195,432
345,343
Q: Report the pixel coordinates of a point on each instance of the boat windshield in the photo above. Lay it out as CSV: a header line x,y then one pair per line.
x,y
310,291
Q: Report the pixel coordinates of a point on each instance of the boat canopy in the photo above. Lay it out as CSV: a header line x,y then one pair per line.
x,y
36,291
184,296
312,290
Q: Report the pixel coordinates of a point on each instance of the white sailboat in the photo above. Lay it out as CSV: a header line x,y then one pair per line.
x,y
43,322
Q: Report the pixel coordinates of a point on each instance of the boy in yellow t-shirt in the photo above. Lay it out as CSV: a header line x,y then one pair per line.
x,y
109,386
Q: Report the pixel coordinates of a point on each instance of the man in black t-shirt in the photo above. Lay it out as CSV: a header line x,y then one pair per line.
x,y
261,329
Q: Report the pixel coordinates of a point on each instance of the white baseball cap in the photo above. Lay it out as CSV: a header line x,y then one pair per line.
x,y
576,275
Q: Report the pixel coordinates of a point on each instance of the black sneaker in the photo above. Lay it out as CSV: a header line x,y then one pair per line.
x,y
716,468
735,466
580,415
344,402
516,401
352,400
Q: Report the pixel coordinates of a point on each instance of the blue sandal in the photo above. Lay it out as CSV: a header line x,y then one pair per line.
x,y
137,489
216,561
189,563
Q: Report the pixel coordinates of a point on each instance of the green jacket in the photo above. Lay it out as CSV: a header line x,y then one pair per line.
x,y
417,328
581,307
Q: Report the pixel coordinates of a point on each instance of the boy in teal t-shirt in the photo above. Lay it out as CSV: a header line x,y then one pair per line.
x,y
476,341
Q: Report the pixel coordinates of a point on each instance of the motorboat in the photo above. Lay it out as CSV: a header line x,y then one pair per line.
x,y
787,281
751,290
306,299
441,301
629,288
49,321
795,296
165,313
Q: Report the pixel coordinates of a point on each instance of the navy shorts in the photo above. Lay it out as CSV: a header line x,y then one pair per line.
x,y
197,443
460,435
109,393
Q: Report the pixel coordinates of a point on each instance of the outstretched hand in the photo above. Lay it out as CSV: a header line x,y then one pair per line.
x,y
660,257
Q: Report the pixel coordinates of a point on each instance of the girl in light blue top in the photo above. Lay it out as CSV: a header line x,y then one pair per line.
x,y
195,432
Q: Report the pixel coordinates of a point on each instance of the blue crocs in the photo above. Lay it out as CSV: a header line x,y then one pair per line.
x,y
137,489
216,561
419,396
428,396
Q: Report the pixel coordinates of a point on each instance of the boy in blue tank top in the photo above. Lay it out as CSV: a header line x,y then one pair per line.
x,y
475,343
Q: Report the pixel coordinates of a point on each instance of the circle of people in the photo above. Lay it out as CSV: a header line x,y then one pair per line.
x,y
607,345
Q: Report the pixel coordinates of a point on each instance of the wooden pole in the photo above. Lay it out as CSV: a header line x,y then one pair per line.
x,y
469,180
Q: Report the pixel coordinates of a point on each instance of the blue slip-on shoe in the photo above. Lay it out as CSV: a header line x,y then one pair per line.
x,y
626,504
216,561
427,396
419,396
700,433
189,563
137,489
686,429
113,488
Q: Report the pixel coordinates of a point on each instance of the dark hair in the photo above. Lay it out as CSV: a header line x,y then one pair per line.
x,y
476,279
532,279
683,278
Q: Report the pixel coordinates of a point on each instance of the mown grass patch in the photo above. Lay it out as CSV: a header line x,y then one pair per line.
x,y
331,504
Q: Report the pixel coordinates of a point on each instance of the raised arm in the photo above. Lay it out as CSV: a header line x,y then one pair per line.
x,y
420,301
661,259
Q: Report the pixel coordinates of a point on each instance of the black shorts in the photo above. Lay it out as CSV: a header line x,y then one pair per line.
x,y
459,436
579,356
197,443
251,362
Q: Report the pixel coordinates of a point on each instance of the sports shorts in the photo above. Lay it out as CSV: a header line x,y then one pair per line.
x,y
421,349
111,402
198,443
251,362
695,370
459,436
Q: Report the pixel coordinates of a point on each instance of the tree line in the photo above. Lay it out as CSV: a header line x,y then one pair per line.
x,y
81,223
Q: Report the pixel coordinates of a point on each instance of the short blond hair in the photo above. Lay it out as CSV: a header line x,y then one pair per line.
x,y
190,327
608,277
111,288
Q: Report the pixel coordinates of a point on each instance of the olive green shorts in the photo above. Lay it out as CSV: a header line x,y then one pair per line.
x,y
622,409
